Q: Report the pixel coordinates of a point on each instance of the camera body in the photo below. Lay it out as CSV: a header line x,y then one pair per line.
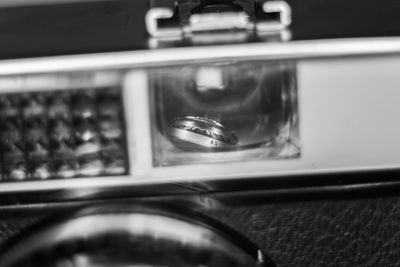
x,y
222,107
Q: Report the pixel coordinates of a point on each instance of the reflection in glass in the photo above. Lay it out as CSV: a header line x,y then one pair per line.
x,y
224,112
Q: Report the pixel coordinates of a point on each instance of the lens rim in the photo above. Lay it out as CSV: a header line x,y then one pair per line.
x,y
41,236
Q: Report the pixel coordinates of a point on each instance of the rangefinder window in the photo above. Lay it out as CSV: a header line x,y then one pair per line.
x,y
225,111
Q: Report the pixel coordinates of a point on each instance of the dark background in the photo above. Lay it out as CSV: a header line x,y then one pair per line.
x,y
119,25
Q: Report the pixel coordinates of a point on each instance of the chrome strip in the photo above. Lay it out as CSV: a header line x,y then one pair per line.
x,y
190,55
84,187
138,112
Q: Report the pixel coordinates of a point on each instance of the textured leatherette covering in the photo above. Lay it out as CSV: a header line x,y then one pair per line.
x,y
356,232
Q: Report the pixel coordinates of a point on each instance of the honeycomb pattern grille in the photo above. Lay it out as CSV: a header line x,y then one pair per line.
x,y
62,134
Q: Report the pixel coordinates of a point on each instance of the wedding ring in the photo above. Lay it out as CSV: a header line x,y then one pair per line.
x,y
201,131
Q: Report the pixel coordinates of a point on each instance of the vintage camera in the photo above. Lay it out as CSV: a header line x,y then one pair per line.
x,y
234,133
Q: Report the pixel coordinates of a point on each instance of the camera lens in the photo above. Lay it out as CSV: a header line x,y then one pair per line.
x,y
122,236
